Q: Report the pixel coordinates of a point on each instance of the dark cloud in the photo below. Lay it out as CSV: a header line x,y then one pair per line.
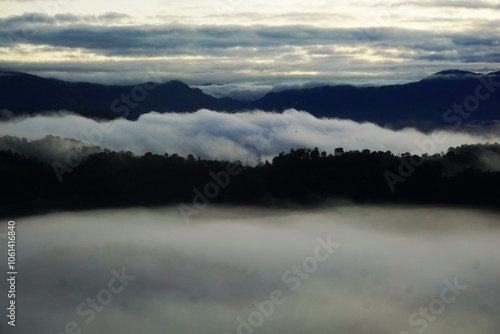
x,y
474,41
182,39
292,54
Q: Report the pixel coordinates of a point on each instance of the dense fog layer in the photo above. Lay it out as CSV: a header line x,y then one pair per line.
x,y
242,136
343,269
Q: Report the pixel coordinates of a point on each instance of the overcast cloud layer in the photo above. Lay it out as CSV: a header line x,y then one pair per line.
x,y
242,136
249,42
387,264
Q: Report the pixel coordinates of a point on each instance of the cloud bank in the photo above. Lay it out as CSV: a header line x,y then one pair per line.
x,y
377,50
241,136
200,278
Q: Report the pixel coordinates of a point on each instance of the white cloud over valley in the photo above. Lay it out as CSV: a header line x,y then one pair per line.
x,y
240,136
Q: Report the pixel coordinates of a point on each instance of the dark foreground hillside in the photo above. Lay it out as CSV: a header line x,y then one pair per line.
x,y
466,175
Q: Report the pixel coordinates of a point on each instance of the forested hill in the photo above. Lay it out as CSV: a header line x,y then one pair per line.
x,y
467,175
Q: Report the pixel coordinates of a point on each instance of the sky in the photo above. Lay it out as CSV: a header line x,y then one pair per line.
x,y
248,44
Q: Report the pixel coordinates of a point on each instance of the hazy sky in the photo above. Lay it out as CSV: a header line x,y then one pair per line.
x,y
252,43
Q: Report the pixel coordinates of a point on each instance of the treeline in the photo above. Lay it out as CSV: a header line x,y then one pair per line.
x,y
467,175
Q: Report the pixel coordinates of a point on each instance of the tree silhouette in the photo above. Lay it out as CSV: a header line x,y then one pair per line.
x,y
465,175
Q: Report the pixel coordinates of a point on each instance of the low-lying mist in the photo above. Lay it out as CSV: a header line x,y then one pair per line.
x,y
241,136
346,269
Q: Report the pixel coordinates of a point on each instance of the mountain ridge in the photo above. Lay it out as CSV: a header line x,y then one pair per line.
x,y
100,100
426,100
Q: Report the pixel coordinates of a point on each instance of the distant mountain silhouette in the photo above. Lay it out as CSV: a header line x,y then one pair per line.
x,y
21,92
455,72
423,101
414,104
